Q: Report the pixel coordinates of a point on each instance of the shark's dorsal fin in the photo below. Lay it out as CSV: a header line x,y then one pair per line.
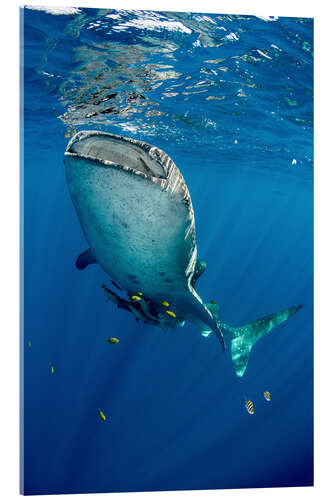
x,y
85,259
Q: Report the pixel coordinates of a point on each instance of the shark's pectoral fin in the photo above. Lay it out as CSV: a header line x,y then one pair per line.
x,y
85,259
244,337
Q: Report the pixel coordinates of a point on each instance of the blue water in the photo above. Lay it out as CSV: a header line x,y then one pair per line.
x,y
229,98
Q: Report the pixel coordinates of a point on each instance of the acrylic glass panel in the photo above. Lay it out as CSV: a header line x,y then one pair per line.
x,y
167,242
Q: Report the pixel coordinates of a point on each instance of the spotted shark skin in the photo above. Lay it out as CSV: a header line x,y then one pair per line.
x,y
136,213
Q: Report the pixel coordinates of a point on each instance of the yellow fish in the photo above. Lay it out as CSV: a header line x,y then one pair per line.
x,y
165,303
135,298
170,313
51,369
249,406
267,395
101,414
29,343
113,340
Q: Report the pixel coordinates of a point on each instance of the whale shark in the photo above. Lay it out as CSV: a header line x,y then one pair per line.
x,y
136,214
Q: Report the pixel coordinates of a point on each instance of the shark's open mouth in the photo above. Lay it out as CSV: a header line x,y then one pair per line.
x,y
116,150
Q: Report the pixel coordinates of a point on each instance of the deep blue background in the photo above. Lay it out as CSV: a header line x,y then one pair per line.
x,y
174,407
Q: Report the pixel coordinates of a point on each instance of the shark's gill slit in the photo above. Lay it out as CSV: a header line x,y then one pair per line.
x,y
108,148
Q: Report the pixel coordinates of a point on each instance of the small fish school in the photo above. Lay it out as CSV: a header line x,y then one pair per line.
x,y
144,309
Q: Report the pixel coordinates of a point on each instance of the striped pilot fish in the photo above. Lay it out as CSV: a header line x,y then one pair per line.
x,y
249,406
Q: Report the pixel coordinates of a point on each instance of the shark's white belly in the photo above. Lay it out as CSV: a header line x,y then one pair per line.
x,y
141,235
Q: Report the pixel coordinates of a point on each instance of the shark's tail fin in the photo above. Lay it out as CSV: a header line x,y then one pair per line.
x,y
244,337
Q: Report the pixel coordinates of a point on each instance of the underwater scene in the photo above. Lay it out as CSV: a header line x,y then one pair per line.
x,y
166,251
